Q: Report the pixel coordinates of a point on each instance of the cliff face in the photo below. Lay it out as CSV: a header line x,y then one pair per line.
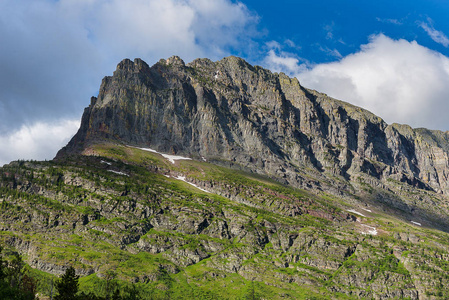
x,y
262,121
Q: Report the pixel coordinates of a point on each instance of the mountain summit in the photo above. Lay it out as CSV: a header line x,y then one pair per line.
x,y
232,113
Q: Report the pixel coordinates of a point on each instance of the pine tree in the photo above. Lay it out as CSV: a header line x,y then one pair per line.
x,y
67,285
2,266
15,271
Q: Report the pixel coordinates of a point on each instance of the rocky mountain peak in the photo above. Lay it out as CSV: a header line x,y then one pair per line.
x,y
175,61
127,65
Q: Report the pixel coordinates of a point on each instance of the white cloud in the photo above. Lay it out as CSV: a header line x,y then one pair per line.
x,y
156,28
291,44
39,141
279,61
389,21
437,36
274,45
398,80
331,52
329,29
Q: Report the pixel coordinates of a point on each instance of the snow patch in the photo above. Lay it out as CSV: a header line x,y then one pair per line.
x,y
105,162
368,210
119,173
371,230
416,223
183,178
171,158
356,212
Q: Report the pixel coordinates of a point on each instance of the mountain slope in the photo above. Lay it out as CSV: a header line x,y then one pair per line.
x,y
132,212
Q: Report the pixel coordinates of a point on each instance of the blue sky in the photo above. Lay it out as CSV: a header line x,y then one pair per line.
x,y
319,26
390,57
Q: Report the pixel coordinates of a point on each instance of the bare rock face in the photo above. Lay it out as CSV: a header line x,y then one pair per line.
x,y
262,121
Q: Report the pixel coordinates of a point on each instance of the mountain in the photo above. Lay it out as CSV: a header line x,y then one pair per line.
x,y
225,180
232,113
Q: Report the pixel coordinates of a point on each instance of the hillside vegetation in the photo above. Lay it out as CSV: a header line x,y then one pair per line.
x,y
191,229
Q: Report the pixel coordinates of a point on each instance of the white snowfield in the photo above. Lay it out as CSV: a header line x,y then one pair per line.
x,y
356,212
105,162
416,223
171,158
119,173
371,230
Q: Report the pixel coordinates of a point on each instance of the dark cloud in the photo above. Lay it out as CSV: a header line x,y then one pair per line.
x,y
46,65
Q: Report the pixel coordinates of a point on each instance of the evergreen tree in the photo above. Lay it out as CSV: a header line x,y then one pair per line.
x,y
2,266
15,271
14,283
67,285
28,287
110,283
4,286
